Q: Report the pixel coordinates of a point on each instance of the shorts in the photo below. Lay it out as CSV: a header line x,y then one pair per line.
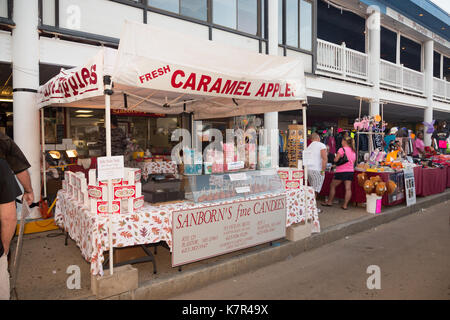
x,y
316,179
9,189
343,176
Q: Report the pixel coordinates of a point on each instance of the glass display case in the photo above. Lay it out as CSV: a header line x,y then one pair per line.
x,y
220,187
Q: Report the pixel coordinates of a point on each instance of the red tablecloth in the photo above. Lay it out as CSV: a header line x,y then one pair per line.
x,y
448,177
358,194
428,181
434,180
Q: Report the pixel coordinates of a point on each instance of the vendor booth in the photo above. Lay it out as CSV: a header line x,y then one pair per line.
x,y
210,201
386,170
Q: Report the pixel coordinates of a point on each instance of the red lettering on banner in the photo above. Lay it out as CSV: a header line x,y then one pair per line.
x,y
227,88
174,77
277,88
246,93
94,74
190,82
239,87
73,85
287,92
160,72
166,69
204,81
261,90
154,74
269,89
79,81
66,89
85,75
216,86
281,94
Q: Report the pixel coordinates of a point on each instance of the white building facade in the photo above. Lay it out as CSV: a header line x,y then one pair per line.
x,y
35,34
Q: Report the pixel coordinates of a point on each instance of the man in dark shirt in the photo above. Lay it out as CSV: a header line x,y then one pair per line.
x,y
11,160
118,139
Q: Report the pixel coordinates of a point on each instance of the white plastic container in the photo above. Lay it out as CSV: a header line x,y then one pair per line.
x,y
373,203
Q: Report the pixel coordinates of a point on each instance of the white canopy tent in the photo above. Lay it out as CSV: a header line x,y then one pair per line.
x,y
160,71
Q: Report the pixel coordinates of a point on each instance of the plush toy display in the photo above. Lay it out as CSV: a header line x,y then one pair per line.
x,y
362,178
391,186
368,187
380,189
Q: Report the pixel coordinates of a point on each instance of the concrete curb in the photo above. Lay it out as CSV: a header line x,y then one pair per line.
x,y
169,286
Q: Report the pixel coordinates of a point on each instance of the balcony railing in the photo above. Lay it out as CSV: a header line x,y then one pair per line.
x,y
399,77
339,61
342,61
441,89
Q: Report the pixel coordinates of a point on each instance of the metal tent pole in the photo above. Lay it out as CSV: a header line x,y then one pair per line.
x,y
44,171
108,92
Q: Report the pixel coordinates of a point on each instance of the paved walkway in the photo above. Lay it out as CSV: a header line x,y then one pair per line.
x,y
45,260
413,254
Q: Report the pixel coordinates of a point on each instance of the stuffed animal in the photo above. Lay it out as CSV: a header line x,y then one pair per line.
x,y
391,186
368,187
362,178
380,189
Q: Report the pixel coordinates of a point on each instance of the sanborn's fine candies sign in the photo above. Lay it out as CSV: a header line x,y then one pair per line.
x,y
205,232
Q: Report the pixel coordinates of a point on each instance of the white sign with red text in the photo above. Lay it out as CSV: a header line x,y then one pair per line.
x,y
110,168
205,232
160,59
74,84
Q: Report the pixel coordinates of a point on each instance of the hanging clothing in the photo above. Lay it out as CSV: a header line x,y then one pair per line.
x,y
363,142
331,143
387,140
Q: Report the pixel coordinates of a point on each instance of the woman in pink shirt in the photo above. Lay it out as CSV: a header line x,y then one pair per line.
x,y
418,146
343,172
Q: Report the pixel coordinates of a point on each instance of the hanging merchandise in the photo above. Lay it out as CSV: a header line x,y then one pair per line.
x,y
295,144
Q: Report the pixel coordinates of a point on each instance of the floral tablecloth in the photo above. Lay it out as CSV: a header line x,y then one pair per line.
x,y
151,224
158,167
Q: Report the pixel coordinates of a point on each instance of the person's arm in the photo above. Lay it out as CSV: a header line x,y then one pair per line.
x,y
25,181
338,155
323,155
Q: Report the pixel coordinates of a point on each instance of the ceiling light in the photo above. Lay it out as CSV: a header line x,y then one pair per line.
x,y
420,14
6,100
403,48
84,111
84,115
443,28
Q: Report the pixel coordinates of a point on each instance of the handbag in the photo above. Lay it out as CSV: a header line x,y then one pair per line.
x,y
342,160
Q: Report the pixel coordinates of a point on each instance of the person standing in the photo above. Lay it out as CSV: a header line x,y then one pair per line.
x,y
118,139
418,146
344,172
11,160
316,170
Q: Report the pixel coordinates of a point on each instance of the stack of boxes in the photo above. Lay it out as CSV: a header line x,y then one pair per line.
x,y
292,177
126,194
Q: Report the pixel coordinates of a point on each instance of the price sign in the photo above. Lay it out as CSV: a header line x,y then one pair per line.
x,y
410,187
110,167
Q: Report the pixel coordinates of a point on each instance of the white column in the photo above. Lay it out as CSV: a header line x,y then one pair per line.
x,y
271,118
428,71
373,24
441,71
25,61
398,47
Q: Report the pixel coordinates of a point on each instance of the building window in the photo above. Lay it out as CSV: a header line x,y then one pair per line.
x,y
306,25
196,9
248,16
296,30
236,14
224,13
